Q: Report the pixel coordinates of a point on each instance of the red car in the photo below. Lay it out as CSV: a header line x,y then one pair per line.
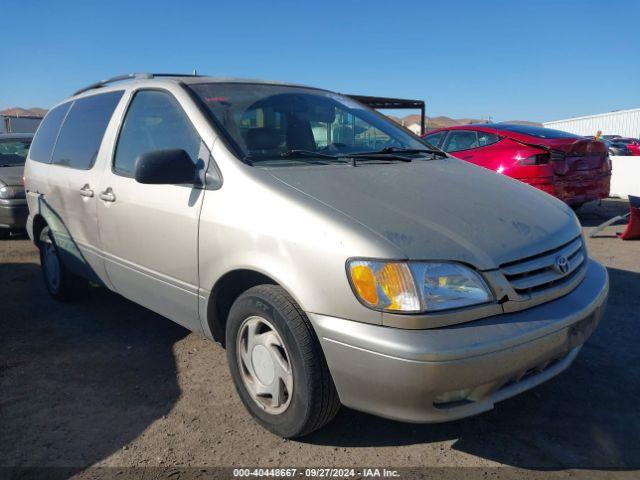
x,y
633,144
572,168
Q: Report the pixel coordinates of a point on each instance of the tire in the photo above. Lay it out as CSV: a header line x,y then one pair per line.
x,y
61,283
5,233
310,400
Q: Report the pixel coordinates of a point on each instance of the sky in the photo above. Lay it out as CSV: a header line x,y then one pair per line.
x,y
508,60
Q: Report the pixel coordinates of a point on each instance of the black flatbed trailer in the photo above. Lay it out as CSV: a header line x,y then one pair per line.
x,y
394,104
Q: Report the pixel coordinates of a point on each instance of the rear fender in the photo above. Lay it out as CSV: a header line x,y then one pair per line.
x,y
566,159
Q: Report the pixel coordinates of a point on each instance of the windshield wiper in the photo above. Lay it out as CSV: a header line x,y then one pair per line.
x,y
408,151
296,153
377,156
381,155
387,153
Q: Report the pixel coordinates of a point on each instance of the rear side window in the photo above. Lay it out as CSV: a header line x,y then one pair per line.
x,y
45,138
155,121
485,139
460,140
435,138
81,134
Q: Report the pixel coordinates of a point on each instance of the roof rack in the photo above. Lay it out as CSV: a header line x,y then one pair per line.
x,y
131,76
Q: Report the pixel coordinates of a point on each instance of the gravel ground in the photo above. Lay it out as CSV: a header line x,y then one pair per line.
x,y
104,382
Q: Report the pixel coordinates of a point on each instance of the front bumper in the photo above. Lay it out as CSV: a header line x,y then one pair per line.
x,y
13,213
398,373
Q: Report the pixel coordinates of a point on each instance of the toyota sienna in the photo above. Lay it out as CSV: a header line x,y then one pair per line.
x,y
337,257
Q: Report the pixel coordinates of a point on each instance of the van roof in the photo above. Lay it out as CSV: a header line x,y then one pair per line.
x,y
180,77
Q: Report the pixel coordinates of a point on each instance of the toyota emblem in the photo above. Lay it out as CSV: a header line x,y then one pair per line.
x,y
562,265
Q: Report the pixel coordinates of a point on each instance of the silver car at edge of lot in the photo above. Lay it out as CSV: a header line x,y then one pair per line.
x,y
337,257
13,204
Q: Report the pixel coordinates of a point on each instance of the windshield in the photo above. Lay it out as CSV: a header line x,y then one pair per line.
x,y
268,122
540,132
13,152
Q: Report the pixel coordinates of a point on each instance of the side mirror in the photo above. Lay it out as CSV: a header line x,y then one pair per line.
x,y
165,167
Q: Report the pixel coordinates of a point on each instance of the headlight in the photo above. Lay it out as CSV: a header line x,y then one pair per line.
x,y
412,287
449,285
11,192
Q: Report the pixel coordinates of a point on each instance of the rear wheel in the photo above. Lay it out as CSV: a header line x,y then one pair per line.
x,y
61,283
277,364
4,233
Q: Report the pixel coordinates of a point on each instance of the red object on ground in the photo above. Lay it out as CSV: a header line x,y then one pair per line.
x,y
632,232
572,168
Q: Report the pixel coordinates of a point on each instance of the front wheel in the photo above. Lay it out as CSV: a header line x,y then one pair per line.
x,y
277,364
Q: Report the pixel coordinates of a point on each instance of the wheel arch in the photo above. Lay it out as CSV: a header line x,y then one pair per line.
x,y
226,290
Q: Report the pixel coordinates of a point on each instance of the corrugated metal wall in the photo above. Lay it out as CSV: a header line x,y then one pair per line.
x,y
624,122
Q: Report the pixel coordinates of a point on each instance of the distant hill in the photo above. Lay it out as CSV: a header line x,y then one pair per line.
x,y
443,122
24,112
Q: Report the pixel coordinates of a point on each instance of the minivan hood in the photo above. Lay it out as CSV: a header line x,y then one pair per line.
x,y
12,175
441,209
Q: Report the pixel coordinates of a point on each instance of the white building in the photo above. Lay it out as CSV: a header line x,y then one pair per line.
x,y
414,127
625,123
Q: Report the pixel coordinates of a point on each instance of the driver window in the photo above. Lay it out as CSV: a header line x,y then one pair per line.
x,y
485,139
460,140
155,121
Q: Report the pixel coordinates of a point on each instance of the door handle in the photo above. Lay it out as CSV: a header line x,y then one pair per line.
x,y
108,195
86,191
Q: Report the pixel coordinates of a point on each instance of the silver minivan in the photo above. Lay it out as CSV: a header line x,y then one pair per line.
x,y
337,257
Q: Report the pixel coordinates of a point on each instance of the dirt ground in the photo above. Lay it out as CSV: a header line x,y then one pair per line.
x,y
105,382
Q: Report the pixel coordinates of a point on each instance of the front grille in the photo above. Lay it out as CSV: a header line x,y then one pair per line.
x,y
541,272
